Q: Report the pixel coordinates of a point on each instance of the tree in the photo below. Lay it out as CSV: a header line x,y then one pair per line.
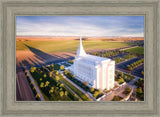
x,y
47,83
57,88
125,77
141,79
34,88
122,74
61,85
33,69
130,68
91,89
99,91
42,85
57,72
37,95
120,81
140,90
51,91
27,75
44,75
61,93
52,88
50,74
65,93
25,72
142,72
62,67
116,98
52,65
31,83
127,90
95,94
57,78
85,83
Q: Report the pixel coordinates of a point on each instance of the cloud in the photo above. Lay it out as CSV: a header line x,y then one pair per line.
x,y
79,26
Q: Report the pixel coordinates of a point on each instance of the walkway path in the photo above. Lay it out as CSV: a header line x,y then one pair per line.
x,y
37,88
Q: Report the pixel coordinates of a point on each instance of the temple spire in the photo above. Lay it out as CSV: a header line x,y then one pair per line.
x,y
80,51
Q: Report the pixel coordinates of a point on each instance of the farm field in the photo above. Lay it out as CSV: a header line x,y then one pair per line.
x,y
68,45
137,50
23,90
35,51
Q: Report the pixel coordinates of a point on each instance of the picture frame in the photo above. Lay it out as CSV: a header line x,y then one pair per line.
x,y
10,9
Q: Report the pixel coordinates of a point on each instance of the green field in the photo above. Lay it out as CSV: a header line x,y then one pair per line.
x,y
68,45
137,50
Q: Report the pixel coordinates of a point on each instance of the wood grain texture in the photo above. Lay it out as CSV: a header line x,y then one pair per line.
x,y
9,9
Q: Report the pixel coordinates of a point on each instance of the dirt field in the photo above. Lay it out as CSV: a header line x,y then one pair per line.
x,y
28,58
23,90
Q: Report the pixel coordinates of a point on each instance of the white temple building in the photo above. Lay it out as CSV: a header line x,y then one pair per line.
x,y
97,71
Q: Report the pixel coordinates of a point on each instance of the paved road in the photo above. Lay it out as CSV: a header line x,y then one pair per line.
x,y
37,88
136,71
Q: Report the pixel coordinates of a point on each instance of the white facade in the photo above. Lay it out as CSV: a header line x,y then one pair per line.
x,y
97,71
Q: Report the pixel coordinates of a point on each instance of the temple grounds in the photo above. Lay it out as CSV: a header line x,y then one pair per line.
x,y
38,53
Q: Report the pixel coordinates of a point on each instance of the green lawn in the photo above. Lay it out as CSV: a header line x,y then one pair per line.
x,y
68,45
77,91
137,50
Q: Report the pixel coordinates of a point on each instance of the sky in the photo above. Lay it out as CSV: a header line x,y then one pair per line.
x,y
100,26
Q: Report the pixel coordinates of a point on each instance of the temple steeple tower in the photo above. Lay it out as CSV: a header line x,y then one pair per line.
x,y
80,51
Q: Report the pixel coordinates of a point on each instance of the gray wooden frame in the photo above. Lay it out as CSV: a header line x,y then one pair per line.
x,y
9,9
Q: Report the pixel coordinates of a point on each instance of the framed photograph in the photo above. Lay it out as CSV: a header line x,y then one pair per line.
x,y
80,58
